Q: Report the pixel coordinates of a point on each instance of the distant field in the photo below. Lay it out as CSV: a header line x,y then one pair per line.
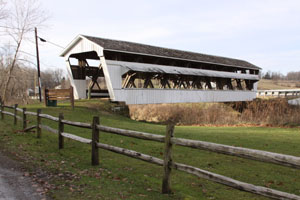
x,y
265,84
120,177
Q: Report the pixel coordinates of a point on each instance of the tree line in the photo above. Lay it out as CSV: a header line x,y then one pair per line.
x,y
24,77
292,76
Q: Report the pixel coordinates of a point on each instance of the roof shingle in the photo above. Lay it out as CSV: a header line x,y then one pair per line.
x,y
131,47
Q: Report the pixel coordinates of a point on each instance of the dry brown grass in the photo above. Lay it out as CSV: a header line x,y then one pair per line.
x,y
265,84
275,112
184,114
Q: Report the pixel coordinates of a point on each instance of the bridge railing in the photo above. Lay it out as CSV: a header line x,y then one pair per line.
x,y
279,93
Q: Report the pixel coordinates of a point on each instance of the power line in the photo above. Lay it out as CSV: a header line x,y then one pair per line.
x,y
31,29
30,54
43,64
27,53
43,40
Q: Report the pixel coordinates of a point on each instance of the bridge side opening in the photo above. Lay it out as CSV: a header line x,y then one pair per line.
x,y
134,79
141,75
86,69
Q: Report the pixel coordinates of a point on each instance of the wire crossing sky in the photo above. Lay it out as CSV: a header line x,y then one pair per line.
x,y
263,32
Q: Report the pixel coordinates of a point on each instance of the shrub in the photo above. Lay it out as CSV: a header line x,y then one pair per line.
x,y
271,112
275,112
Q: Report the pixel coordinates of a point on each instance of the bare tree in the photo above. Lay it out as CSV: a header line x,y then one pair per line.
x,y
52,78
23,16
293,76
3,11
58,76
21,78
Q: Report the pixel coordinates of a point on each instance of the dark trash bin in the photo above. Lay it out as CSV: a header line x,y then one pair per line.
x,y
52,103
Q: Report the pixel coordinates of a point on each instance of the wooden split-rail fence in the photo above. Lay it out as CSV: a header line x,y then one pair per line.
x,y
169,140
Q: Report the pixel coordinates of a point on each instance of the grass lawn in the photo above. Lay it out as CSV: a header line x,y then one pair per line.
x,y
71,175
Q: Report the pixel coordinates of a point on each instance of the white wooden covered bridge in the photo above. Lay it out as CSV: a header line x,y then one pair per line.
x,y
143,74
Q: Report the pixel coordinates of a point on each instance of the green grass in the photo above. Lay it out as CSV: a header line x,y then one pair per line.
x,y
121,177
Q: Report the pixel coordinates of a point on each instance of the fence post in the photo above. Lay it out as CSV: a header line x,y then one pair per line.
x,y
72,97
15,114
60,130
38,128
95,140
166,189
45,97
2,109
24,119
89,92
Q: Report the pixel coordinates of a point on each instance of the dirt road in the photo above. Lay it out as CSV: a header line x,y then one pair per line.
x,y
14,185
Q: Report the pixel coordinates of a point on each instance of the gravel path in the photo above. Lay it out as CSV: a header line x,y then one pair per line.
x,y
15,184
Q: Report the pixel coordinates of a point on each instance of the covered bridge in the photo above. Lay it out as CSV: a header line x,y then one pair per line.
x,y
142,74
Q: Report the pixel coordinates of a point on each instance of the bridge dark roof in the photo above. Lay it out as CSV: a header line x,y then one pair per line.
x,y
136,48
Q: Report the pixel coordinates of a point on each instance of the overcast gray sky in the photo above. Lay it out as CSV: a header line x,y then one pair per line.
x,y
263,32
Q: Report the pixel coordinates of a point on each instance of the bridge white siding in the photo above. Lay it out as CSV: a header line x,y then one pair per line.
x,y
152,96
79,86
80,89
80,45
115,73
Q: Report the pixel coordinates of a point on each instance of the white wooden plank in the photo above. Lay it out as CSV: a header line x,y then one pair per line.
x,y
152,96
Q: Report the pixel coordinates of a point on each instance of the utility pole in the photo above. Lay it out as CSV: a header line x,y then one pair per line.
x,y
38,64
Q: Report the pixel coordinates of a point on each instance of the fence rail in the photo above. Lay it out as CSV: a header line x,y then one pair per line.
x,y
77,124
8,113
49,117
48,128
134,134
169,140
264,156
12,107
30,113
